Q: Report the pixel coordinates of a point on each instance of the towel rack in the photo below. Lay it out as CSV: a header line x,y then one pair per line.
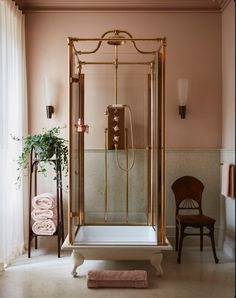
x,y
34,162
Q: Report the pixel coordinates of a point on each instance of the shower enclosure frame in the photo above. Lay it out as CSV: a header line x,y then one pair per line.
x,y
157,123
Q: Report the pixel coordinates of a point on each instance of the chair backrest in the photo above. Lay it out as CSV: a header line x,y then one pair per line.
x,y
188,193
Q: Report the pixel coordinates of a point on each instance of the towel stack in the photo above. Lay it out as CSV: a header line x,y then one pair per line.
x,y
44,214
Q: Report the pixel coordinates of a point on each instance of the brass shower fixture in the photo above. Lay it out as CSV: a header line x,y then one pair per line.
x,y
156,197
116,39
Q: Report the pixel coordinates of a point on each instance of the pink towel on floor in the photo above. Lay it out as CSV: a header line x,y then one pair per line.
x,y
42,214
44,227
44,201
228,180
117,279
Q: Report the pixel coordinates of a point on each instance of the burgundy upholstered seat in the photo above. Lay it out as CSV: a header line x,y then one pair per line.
x,y
195,220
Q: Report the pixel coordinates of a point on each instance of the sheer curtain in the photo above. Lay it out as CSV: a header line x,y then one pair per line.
x,y
13,119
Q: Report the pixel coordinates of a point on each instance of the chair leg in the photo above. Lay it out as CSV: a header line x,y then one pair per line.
x,y
176,237
58,248
62,234
36,242
201,239
59,242
180,244
213,244
29,246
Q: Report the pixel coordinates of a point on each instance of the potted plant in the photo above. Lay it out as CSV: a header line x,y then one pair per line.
x,y
46,145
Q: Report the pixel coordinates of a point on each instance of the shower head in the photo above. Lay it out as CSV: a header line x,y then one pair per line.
x,y
116,39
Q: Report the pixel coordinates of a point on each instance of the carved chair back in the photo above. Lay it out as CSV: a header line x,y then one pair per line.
x,y
188,194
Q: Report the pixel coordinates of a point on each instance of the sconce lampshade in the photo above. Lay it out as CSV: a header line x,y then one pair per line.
x,y
48,91
182,96
49,94
182,91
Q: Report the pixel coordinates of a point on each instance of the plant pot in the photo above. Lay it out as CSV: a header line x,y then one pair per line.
x,y
43,153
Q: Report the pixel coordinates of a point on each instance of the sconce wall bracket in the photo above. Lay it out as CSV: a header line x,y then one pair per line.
x,y
182,111
50,111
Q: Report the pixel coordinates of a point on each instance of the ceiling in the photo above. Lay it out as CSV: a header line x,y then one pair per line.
x,y
122,5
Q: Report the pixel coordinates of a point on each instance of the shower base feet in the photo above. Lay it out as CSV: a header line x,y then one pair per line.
x,y
78,260
156,260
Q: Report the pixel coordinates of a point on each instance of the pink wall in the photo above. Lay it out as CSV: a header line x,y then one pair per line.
x,y
193,51
228,77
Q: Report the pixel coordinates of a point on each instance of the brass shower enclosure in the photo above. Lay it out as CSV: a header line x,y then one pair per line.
x,y
155,148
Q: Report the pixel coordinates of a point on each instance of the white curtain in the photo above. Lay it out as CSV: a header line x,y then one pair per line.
x,y
13,119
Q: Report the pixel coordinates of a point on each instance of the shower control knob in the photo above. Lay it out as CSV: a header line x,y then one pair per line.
x,y
116,118
116,128
116,138
81,127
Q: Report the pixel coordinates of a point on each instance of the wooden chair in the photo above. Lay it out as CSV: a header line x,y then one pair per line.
x,y
188,196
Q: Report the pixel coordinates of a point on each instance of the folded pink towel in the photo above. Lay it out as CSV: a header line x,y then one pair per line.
x,y
44,201
42,214
44,227
225,179
117,279
228,180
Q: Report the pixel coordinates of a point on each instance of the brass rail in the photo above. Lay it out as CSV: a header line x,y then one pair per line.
x,y
127,175
113,63
118,39
70,65
105,183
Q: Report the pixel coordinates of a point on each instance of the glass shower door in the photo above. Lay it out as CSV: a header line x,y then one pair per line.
x,y
113,195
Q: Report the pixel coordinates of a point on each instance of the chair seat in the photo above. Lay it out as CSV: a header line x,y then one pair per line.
x,y
195,220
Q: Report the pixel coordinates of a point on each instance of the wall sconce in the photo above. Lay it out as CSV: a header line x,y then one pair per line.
x,y
49,94
182,96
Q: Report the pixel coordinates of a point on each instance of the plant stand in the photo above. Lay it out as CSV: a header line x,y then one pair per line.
x,y
34,162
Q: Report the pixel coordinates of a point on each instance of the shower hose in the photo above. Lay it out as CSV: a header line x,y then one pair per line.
x,y
132,145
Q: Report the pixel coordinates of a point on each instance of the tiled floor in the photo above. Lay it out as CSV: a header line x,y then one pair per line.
x,y
44,276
